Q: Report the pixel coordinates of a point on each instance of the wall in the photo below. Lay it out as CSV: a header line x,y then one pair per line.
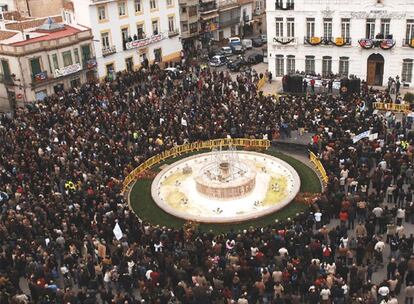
x,y
39,8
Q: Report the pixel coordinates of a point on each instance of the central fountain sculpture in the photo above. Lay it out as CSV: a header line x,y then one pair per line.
x,y
226,177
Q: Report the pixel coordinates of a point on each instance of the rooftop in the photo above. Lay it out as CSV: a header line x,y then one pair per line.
x,y
56,34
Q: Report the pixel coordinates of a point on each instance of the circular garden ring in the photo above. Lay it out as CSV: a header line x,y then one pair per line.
x,y
138,193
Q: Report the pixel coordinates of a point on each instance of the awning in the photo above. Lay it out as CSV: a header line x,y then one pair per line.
x,y
209,16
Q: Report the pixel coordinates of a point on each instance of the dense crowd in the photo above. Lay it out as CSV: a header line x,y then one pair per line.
x,y
63,160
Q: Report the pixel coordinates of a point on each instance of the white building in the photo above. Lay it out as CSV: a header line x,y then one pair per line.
x,y
40,57
372,39
130,32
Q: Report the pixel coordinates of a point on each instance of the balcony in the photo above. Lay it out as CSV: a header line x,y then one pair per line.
x,y
285,41
385,44
207,8
337,41
6,79
408,42
89,63
188,34
108,50
290,5
173,33
188,2
227,4
39,77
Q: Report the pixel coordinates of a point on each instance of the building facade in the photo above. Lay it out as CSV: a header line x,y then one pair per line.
x,y
43,60
130,33
189,23
33,8
259,16
371,39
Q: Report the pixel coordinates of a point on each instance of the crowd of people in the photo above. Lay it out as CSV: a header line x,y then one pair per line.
x,y
63,160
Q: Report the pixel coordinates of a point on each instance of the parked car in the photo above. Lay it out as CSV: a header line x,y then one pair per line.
x,y
237,64
257,42
227,51
233,40
174,73
237,49
216,52
255,58
247,44
264,38
218,60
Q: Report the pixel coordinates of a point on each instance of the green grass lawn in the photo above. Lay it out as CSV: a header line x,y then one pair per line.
x,y
147,210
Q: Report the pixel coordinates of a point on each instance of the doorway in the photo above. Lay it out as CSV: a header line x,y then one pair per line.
x,y
375,69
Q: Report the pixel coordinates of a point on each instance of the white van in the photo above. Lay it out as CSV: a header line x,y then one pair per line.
x,y
247,43
234,40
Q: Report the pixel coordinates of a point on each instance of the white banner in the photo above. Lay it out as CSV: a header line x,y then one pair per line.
x,y
118,232
70,69
360,136
146,41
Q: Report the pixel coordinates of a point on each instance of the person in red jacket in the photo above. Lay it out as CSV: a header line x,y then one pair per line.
x,y
343,216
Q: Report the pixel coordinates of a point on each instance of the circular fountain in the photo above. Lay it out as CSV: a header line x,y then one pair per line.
x,y
225,186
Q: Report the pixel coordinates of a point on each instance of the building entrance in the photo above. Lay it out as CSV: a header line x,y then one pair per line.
x,y
375,70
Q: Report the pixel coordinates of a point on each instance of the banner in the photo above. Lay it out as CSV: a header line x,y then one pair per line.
x,y
146,41
118,232
360,136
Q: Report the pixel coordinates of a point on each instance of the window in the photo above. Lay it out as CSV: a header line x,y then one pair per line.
x,y
310,27
184,26
101,13
171,26
76,52
327,28
86,52
140,31
105,40
110,70
345,28
67,58
192,11
125,36
290,27
122,9
370,29
158,55
407,70
409,32
169,2
193,27
55,61
290,64
129,63
155,27
280,63
385,27
279,27
344,66
153,4
310,64
326,66
6,70
35,65
233,30
138,6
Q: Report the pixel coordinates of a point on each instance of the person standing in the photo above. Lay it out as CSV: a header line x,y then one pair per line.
x,y
409,293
